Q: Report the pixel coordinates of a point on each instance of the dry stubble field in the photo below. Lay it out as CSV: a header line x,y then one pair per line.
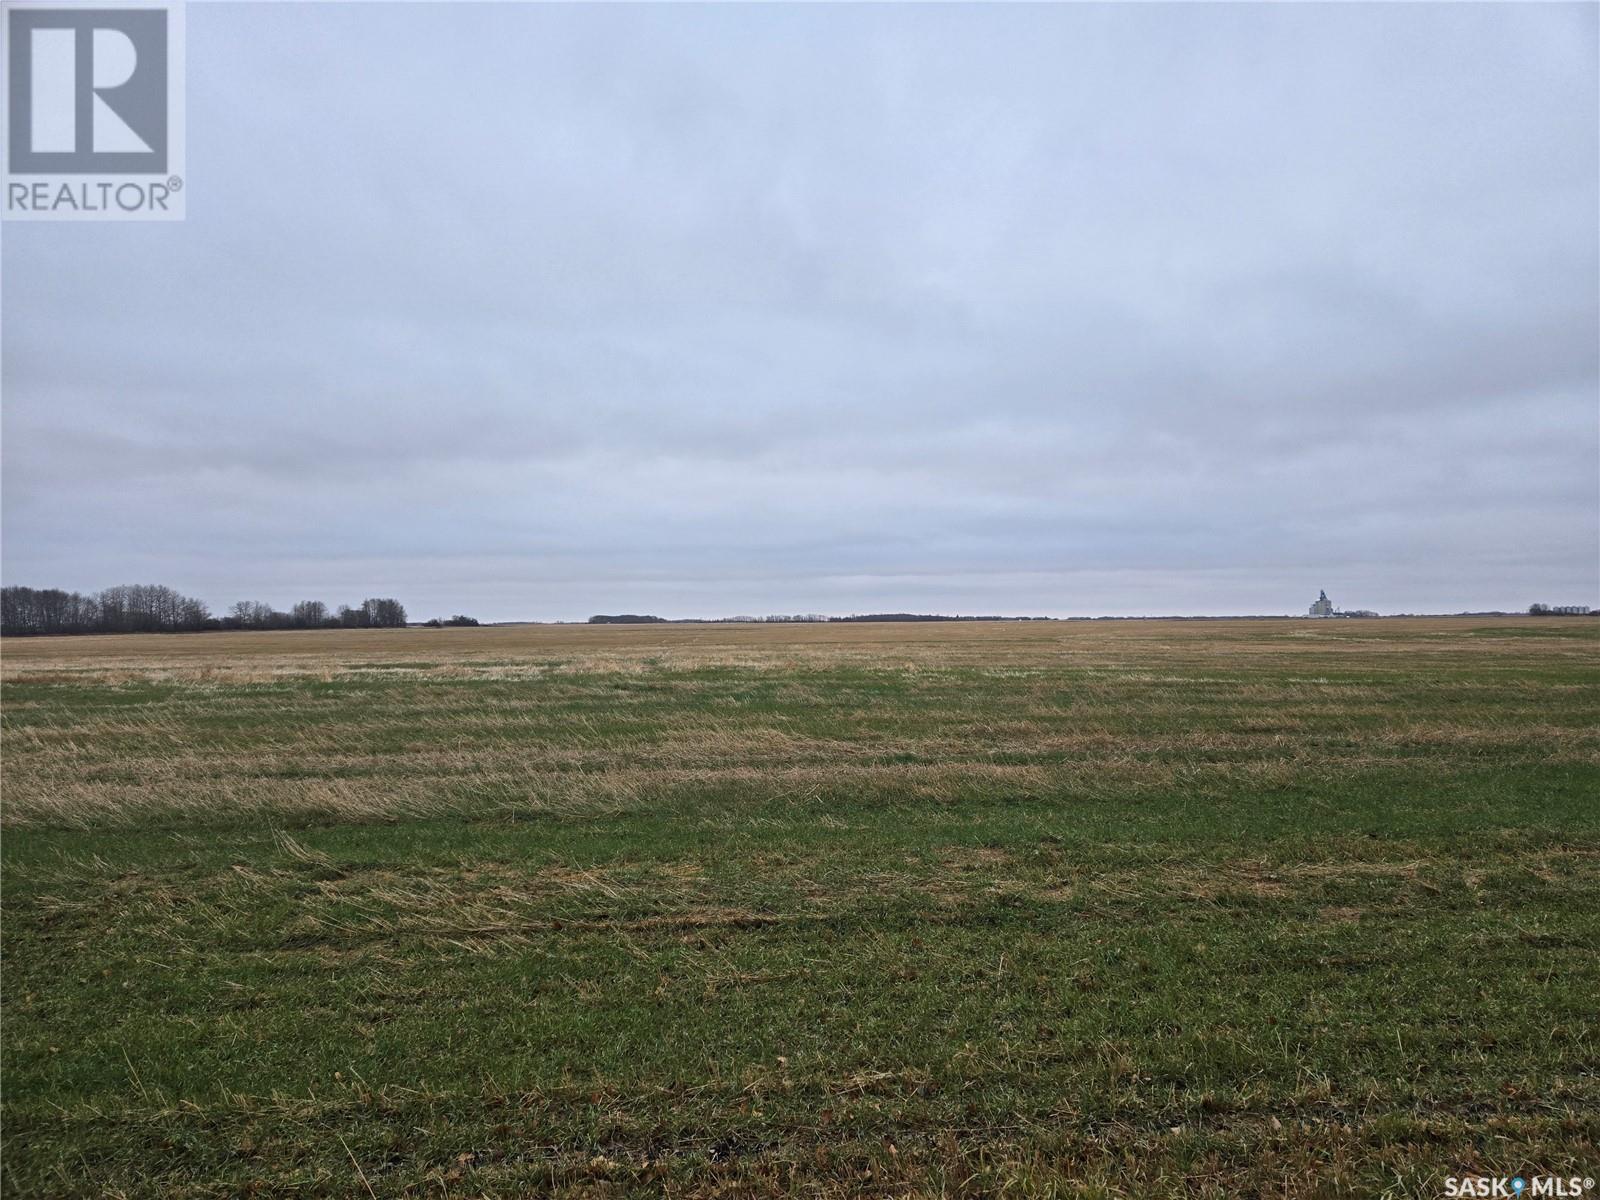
x,y
1137,908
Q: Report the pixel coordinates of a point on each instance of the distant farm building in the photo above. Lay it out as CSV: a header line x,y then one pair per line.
x,y
1324,608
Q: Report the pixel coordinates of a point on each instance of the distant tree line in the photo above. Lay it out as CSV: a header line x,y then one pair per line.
x,y
152,608
381,613
458,619
626,619
914,617
132,608
773,619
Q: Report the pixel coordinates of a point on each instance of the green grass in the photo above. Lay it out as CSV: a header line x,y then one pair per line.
x,y
1216,911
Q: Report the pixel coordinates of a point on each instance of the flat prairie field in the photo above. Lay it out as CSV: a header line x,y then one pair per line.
x,y
1156,908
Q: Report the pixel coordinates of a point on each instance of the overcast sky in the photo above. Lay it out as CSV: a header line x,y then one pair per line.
x,y
535,312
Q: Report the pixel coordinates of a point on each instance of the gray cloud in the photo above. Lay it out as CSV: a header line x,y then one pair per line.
x,y
533,311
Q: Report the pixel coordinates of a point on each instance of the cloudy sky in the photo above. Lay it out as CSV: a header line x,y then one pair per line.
x,y
534,312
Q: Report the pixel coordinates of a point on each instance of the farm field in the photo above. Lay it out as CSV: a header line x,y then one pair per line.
x,y
1277,908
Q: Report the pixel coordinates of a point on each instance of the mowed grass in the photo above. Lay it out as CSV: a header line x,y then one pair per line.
x,y
1281,908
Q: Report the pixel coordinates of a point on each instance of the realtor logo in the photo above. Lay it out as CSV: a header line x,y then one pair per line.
x,y
93,112
88,91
